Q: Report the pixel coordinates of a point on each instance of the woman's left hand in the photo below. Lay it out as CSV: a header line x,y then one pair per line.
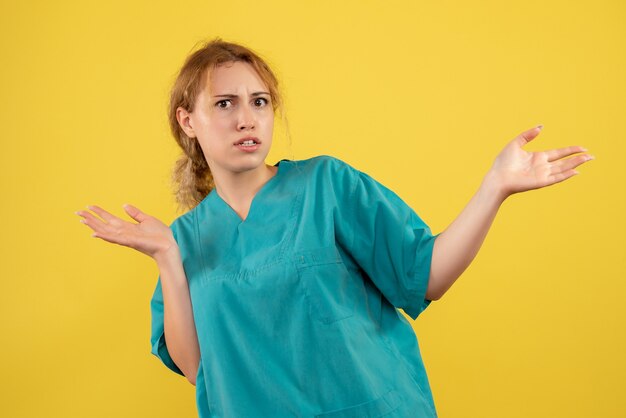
x,y
516,170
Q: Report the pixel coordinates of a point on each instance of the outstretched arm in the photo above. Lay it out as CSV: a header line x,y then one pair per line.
x,y
514,170
171,302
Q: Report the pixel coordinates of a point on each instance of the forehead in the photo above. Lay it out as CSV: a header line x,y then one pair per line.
x,y
233,77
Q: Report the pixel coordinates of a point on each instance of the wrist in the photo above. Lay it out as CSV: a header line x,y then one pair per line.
x,y
491,186
167,256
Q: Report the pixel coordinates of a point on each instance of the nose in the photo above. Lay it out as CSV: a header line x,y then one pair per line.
x,y
245,118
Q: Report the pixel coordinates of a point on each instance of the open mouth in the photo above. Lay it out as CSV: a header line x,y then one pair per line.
x,y
247,143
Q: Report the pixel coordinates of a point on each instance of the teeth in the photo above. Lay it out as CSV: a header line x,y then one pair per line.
x,y
248,142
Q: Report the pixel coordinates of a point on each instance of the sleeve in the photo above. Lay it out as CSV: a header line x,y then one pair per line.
x,y
157,338
388,240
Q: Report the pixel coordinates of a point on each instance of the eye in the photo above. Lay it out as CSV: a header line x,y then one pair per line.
x,y
263,100
222,101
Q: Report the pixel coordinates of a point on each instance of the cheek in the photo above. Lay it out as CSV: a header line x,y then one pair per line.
x,y
219,123
218,128
269,122
216,135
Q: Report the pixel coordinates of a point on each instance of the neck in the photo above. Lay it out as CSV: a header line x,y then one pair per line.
x,y
238,189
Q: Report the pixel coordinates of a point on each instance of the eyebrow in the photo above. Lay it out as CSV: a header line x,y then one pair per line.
x,y
257,93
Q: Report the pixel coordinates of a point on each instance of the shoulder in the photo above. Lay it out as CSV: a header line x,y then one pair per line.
x,y
348,181
328,168
329,162
328,178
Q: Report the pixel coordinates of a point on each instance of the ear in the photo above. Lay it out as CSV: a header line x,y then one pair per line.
x,y
184,120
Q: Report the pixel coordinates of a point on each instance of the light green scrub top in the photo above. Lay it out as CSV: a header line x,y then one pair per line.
x,y
295,307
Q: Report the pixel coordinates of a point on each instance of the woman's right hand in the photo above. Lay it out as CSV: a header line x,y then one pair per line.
x,y
150,236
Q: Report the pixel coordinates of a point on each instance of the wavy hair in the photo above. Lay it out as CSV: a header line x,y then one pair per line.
x,y
191,178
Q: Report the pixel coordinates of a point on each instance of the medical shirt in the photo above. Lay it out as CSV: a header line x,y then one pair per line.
x,y
295,306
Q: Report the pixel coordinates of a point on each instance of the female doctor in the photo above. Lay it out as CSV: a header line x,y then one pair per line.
x,y
278,289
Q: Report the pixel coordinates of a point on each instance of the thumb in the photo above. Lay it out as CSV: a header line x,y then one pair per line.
x,y
135,213
527,136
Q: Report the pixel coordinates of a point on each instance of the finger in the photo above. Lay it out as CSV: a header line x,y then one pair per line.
x,y
527,136
569,163
559,153
559,177
91,221
102,213
135,213
111,232
113,238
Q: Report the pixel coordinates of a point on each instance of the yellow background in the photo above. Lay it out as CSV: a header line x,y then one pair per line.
x,y
421,95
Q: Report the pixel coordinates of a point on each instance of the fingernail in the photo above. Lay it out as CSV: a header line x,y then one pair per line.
x,y
540,126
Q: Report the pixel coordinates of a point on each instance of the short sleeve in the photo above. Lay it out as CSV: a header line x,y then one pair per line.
x,y
388,240
157,338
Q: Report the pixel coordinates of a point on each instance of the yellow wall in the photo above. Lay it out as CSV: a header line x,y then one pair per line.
x,y
421,95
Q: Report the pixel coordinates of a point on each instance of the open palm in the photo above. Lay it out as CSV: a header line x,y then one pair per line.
x,y
517,170
149,236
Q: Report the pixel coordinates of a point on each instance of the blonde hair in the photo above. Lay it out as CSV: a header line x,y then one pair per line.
x,y
191,179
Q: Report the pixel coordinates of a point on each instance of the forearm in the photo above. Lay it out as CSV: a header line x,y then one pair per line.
x,y
179,325
456,247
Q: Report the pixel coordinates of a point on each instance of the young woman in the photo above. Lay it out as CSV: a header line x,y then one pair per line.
x,y
278,288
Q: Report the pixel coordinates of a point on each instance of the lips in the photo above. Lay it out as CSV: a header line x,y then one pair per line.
x,y
248,138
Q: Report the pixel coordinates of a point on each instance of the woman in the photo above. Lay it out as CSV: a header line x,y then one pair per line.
x,y
278,289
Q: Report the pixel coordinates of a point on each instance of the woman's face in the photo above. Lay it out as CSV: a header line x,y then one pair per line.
x,y
234,104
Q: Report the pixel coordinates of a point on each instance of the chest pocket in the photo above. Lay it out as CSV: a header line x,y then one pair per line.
x,y
327,284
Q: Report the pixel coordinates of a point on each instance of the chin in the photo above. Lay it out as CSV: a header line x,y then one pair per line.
x,y
248,166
